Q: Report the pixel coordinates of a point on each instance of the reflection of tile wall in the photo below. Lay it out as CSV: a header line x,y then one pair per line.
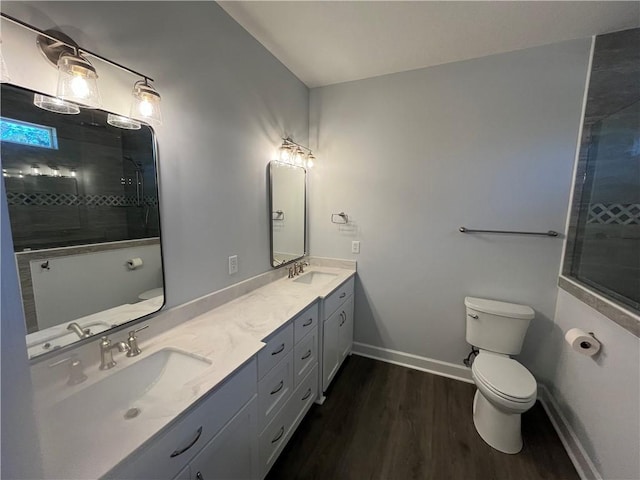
x,y
615,213
41,198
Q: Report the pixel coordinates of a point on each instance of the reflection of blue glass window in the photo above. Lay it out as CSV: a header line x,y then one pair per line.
x,y
25,133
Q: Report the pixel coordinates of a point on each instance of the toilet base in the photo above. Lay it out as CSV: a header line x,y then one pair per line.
x,y
498,429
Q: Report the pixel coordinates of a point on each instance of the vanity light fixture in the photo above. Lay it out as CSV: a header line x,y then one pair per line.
x,y
293,153
35,169
77,79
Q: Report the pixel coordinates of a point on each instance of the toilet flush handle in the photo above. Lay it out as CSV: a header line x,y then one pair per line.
x,y
472,315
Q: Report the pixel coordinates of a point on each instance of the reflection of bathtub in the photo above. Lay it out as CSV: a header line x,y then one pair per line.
x,y
56,337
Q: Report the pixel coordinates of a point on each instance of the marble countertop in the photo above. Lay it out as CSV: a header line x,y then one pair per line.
x,y
228,336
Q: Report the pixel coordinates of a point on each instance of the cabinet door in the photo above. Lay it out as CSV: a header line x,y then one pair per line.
x,y
345,338
330,349
233,453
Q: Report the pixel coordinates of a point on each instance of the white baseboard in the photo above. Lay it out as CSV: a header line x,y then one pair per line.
x,y
444,369
578,455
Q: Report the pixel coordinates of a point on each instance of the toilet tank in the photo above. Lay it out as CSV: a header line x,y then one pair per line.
x,y
497,326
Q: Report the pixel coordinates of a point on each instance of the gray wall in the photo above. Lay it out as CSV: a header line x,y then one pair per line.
x,y
410,157
226,103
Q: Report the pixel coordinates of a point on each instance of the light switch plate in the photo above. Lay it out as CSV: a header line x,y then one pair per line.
x,y
233,264
355,246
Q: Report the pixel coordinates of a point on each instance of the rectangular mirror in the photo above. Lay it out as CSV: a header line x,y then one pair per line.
x,y
288,207
83,207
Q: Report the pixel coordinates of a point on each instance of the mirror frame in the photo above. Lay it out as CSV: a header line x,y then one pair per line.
x,y
125,325
305,252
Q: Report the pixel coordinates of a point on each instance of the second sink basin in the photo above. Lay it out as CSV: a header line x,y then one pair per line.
x,y
316,278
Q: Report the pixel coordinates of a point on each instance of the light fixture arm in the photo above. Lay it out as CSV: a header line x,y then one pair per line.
x,y
288,141
76,48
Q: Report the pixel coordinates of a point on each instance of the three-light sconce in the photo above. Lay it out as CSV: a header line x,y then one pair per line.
x,y
77,81
293,153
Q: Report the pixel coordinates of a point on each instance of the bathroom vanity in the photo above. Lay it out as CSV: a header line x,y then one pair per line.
x,y
217,396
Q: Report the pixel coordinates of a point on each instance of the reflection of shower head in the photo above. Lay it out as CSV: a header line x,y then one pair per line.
x,y
137,165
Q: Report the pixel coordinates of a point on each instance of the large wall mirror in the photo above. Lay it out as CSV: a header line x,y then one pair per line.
x,y
83,206
287,202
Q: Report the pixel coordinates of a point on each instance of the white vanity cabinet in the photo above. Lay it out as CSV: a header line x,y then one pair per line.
x,y
228,414
232,454
337,330
286,392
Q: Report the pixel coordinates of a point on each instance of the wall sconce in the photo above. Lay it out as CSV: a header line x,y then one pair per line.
x,y
77,80
35,169
293,153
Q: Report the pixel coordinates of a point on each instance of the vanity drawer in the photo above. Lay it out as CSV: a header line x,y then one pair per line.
x,y
279,431
302,398
305,356
274,390
339,295
305,322
276,348
192,432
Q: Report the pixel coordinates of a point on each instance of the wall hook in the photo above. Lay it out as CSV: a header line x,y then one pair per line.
x,y
45,265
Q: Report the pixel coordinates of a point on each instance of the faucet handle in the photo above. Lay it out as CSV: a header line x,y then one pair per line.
x,y
134,350
76,373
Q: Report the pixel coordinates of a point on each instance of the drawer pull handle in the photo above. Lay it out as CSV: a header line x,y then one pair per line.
x,y
279,436
343,294
181,451
306,355
475,317
308,322
344,318
306,395
279,350
278,388
199,476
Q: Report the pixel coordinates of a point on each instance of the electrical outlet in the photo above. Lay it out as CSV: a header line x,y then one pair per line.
x,y
355,246
233,264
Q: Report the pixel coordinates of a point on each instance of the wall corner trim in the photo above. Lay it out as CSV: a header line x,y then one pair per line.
x,y
409,360
577,453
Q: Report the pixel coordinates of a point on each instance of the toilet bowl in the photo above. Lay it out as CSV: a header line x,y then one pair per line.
x,y
506,389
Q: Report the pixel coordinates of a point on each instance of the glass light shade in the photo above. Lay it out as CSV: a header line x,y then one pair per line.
x,y
286,154
123,122
311,160
145,105
77,81
55,105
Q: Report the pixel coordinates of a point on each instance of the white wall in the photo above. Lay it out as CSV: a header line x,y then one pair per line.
x,y
410,157
226,103
80,285
599,396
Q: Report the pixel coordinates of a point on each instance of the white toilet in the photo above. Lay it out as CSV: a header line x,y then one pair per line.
x,y
506,389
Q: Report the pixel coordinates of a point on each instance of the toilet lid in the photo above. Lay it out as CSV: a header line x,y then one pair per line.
x,y
505,376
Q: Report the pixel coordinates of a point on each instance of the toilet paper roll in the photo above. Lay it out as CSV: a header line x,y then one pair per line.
x,y
134,263
582,342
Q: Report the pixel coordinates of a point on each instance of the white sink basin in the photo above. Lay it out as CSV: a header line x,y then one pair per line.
x,y
316,278
135,391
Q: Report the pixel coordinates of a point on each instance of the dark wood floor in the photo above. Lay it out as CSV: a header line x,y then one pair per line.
x,y
382,421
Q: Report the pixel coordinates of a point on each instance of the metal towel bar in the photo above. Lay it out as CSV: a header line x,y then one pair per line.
x,y
550,233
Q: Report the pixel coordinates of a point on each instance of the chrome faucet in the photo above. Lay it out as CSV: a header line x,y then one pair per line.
x,y
301,266
77,329
106,352
76,373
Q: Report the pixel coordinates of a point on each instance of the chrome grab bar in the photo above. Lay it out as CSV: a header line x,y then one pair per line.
x,y
550,233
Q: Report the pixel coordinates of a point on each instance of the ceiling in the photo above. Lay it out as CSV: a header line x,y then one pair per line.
x,y
326,42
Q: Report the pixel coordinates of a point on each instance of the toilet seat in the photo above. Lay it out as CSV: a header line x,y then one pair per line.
x,y
505,378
